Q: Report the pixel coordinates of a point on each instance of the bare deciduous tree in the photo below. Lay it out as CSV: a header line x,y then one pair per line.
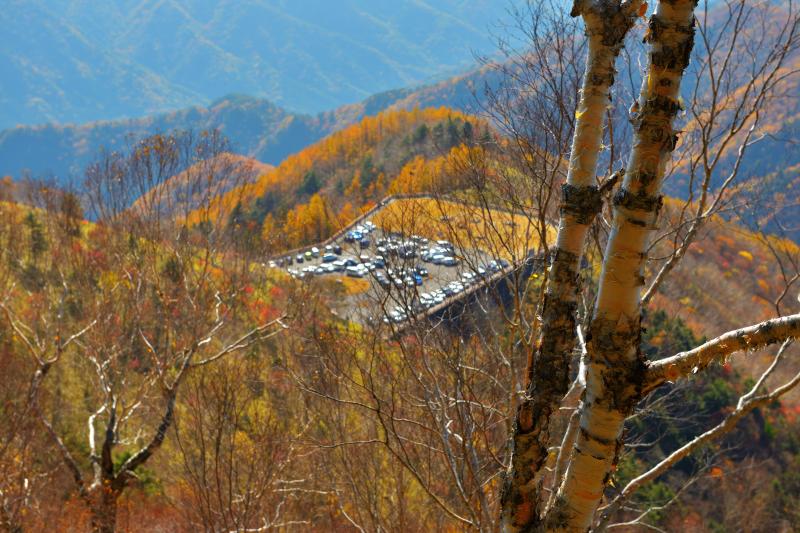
x,y
124,308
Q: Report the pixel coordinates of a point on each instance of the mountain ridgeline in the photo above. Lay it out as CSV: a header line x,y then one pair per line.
x,y
254,126
261,129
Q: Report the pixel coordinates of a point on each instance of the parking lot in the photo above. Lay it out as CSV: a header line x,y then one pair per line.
x,y
406,274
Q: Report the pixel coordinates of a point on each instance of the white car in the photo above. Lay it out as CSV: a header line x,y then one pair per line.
x,y
356,271
456,286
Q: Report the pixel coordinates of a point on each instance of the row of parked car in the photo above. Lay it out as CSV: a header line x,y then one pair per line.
x,y
328,267
426,300
395,261
332,250
402,277
361,234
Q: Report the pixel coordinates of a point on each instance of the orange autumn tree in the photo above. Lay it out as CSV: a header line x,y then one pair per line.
x,y
353,165
311,222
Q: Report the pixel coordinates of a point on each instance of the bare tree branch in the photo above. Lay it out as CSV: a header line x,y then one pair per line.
x,y
747,403
748,338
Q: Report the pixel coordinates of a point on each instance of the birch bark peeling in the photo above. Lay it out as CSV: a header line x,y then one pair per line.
x,y
744,339
616,369
547,374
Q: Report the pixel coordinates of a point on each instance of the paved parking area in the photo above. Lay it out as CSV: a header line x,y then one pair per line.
x,y
406,274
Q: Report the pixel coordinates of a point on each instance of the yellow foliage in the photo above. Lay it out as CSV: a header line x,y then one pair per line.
x,y
429,175
108,279
505,234
346,146
311,222
354,285
346,215
268,228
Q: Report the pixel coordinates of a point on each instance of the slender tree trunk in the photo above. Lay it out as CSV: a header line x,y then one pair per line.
x,y
616,369
547,375
104,511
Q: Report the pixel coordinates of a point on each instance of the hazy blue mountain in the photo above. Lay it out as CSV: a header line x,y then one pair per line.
x,y
81,60
255,127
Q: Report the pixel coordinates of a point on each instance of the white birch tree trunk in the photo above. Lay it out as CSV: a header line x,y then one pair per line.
x,y
616,369
547,377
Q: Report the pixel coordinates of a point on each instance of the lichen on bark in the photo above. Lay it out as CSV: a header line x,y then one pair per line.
x,y
607,23
616,370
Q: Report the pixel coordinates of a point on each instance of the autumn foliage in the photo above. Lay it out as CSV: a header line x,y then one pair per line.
x,y
321,188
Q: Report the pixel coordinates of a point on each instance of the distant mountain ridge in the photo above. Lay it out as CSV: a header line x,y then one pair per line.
x,y
256,128
72,61
261,129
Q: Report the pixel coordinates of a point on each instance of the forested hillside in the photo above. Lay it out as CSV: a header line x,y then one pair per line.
x,y
321,188
729,277
555,294
264,131
256,128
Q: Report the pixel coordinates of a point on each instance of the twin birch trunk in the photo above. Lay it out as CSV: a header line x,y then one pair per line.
x,y
616,369
547,378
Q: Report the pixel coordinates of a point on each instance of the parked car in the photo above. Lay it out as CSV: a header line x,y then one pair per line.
x,y
355,272
329,257
406,252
